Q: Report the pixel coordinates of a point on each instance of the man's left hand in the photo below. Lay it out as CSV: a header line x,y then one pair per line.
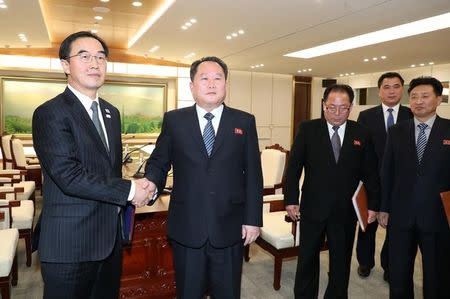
x,y
372,217
250,233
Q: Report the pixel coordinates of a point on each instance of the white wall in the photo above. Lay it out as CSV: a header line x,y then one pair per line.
x,y
441,72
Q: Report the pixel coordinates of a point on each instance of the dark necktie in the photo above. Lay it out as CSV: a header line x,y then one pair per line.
x,y
421,141
336,143
208,133
97,124
390,119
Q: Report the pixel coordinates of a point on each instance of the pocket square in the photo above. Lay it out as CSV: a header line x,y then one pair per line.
x,y
238,131
356,142
446,142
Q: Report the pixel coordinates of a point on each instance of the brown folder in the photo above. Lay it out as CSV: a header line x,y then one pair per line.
x,y
445,197
360,204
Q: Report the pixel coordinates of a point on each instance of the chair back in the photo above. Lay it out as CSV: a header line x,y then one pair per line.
x,y
6,152
18,154
272,162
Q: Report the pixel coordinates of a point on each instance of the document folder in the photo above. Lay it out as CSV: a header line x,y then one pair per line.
x,y
445,197
360,204
128,222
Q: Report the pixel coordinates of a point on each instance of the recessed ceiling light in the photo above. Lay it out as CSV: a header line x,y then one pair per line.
x,y
94,31
241,31
352,73
412,65
366,59
430,63
383,57
304,70
136,3
229,37
252,66
104,0
346,74
184,27
98,18
374,58
299,71
150,21
21,35
422,64
101,9
4,6
309,70
341,75
190,55
409,29
193,21
188,24
261,64
234,34
154,49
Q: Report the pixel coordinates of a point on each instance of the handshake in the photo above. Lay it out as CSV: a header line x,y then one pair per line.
x,y
144,193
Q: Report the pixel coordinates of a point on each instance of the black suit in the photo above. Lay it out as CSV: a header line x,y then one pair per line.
x,y
212,197
374,120
82,191
410,194
326,207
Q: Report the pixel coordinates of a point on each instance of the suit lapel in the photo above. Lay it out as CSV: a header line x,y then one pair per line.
x,y
380,120
347,144
194,128
432,143
224,127
80,113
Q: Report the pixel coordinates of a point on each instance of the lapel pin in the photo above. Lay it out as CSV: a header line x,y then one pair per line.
x,y
357,142
238,131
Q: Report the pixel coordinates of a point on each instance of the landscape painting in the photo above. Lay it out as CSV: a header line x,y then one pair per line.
x,y
141,105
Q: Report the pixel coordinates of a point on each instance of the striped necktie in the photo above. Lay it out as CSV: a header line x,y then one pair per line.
x,y
421,141
208,133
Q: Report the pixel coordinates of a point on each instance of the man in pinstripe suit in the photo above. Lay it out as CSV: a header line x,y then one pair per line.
x,y
80,151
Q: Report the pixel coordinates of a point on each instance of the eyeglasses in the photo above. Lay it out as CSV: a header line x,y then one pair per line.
x,y
86,57
339,109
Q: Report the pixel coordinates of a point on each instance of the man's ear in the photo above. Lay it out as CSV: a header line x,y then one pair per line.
x,y
65,65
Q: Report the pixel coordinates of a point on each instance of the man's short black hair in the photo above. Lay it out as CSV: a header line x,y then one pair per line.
x,y
344,88
390,75
66,45
437,85
195,64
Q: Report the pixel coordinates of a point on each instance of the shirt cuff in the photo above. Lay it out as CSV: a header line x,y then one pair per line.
x,y
132,191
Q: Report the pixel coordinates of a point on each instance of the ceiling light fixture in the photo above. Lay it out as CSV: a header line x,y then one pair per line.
x,y
228,37
154,49
193,21
137,3
241,31
374,58
430,63
192,54
383,57
94,31
184,27
98,18
412,65
376,37
3,6
366,59
104,0
153,18
422,64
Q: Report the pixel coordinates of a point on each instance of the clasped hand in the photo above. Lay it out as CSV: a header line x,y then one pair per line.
x,y
144,192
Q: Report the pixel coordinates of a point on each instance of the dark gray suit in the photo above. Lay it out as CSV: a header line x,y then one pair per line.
x,y
410,194
373,119
212,197
82,187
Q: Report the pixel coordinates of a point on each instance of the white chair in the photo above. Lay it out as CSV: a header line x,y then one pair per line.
x,y
8,254
6,151
20,216
273,163
20,162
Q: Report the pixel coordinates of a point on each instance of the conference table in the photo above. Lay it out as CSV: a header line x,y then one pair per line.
x,y
147,262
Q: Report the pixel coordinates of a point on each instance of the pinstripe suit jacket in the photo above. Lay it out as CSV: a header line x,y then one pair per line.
x,y
82,187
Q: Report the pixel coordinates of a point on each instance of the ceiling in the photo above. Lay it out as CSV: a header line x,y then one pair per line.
x,y
272,28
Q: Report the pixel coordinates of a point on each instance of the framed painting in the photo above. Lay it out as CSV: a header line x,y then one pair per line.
x,y
141,105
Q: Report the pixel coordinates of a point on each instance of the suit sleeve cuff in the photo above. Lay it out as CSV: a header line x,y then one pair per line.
x,y
132,191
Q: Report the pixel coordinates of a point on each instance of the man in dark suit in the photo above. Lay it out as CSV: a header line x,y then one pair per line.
x,y
216,201
335,154
416,168
80,151
377,120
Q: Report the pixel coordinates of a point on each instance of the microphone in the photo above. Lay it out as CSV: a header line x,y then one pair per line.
x,y
138,174
128,159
